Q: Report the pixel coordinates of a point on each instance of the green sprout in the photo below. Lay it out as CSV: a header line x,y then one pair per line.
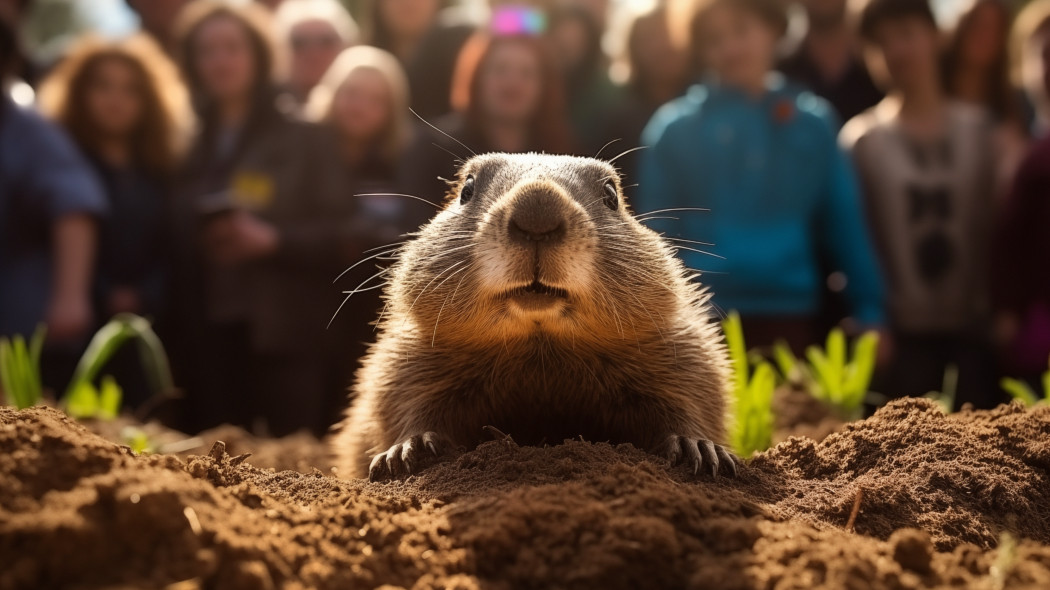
x,y
83,400
945,398
87,401
829,375
137,440
752,425
1005,560
20,369
1022,391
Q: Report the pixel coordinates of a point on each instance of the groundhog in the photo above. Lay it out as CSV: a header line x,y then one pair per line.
x,y
536,305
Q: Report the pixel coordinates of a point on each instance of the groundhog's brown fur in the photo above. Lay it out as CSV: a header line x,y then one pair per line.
x,y
536,303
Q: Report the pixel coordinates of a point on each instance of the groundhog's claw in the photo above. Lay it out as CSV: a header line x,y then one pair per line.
x,y
407,457
698,454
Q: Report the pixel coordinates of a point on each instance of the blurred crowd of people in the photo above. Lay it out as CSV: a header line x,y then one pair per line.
x,y
218,170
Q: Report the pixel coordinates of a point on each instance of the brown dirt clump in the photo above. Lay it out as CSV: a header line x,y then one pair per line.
x,y
797,413
939,492
300,451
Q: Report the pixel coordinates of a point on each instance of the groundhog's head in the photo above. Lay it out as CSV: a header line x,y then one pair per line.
x,y
536,245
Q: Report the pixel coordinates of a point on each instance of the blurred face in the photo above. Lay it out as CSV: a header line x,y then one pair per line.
x,y
823,14
1035,69
315,45
599,9
570,42
362,107
408,18
738,46
984,40
224,60
657,60
157,15
511,83
903,53
114,98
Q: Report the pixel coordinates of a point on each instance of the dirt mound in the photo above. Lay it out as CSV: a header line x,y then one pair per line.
x,y
938,495
300,451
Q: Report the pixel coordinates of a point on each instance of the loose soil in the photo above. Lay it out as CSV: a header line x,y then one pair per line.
x,y
960,501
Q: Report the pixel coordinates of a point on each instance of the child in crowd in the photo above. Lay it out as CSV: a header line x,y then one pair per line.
x,y
928,175
763,157
124,106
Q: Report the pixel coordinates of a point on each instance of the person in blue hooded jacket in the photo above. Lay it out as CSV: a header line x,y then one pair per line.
x,y
762,157
50,203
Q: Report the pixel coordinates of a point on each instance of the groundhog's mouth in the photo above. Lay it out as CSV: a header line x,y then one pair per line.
x,y
537,296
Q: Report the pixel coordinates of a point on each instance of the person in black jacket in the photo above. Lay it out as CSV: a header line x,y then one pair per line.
x,y
263,227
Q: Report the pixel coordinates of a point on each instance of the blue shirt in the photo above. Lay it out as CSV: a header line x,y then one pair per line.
x,y
781,195
42,178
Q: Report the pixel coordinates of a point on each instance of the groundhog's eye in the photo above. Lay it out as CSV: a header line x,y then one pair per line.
x,y
612,198
467,190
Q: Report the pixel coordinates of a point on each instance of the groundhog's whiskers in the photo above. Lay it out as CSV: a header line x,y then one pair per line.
x,y
358,289
607,144
697,242
625,152
427,286
420,199
437,255
681,247
386,252
429,124
433,337
456,159
641,216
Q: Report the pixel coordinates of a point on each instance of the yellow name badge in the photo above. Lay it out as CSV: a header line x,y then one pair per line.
x,y
252,190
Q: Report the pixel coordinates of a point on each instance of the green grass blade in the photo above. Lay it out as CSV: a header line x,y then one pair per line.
x,y
110,396
152,354
786,361
36,344
103,345
82,402
836,355
36,347
821,371
23,380
861,370
734,333
7,373
1019,390
759,412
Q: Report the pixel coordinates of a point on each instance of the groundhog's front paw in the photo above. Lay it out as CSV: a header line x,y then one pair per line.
x,y
698,454
408,456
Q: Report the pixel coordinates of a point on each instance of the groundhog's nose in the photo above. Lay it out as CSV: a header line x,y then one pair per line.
x,y
537,216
